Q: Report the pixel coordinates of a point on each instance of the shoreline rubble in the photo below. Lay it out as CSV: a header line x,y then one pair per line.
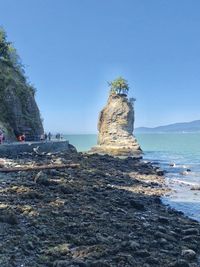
x,y
107,212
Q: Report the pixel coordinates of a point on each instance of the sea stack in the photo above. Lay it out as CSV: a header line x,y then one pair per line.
x,y
116,125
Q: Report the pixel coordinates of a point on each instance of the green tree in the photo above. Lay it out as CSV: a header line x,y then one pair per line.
x,y
9,55
119,86
4,45
15,59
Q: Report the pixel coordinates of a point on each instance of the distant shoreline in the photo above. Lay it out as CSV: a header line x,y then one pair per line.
x,y
183,132
180,127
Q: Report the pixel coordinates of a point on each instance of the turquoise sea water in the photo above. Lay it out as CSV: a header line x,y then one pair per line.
x,y
181,150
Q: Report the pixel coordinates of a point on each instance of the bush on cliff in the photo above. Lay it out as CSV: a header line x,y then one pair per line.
x,y
119,86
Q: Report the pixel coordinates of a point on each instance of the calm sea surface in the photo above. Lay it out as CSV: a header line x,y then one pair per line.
x,y
182,150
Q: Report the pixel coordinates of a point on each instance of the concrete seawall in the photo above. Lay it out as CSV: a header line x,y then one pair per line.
x,y
14,149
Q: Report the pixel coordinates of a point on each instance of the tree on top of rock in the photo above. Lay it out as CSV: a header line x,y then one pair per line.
x,y
119,86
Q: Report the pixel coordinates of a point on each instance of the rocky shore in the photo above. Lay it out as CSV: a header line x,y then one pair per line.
x,y
105,212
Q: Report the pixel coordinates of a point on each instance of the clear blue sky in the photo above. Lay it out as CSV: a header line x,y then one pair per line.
x,y
71,48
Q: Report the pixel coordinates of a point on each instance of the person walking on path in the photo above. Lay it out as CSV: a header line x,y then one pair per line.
x,y
49,136
21,138
1,136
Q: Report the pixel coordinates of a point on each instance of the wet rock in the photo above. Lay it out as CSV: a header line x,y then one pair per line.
x,y
142,253
165,236
66,189
180,263
30,245
32,195
62,263
61,249
162,229
157,200
137,205
53,172
9,218
130,245
163,220
99,263
160,172
195,187
189,238
188,254
42,179
134,245
191,231
162,241
152,260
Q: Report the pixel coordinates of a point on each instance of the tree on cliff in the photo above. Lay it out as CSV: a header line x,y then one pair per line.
x,y
3,45
119,86
8,53
18,109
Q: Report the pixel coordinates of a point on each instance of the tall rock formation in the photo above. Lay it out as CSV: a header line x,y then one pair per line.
x,y
115,126
19,112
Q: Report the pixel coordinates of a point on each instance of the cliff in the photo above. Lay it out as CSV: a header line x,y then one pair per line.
x,y
115,126
19,112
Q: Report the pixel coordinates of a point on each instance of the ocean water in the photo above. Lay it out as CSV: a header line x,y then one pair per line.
x,y
164,150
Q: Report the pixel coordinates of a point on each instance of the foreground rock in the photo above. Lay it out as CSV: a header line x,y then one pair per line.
x,y
105,213
116,128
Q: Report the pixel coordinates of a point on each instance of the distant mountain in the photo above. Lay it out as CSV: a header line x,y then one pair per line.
x,y
188,127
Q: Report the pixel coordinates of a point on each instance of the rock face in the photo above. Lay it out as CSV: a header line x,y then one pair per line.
x,y
18,110
116,124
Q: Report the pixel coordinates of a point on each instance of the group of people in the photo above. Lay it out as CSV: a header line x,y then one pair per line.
x,y
22,137
45,137
48,137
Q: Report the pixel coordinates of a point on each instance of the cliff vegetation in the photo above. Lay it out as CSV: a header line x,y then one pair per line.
x,y
18,110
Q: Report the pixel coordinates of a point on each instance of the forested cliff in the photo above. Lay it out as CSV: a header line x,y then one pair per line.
x,y
19,112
